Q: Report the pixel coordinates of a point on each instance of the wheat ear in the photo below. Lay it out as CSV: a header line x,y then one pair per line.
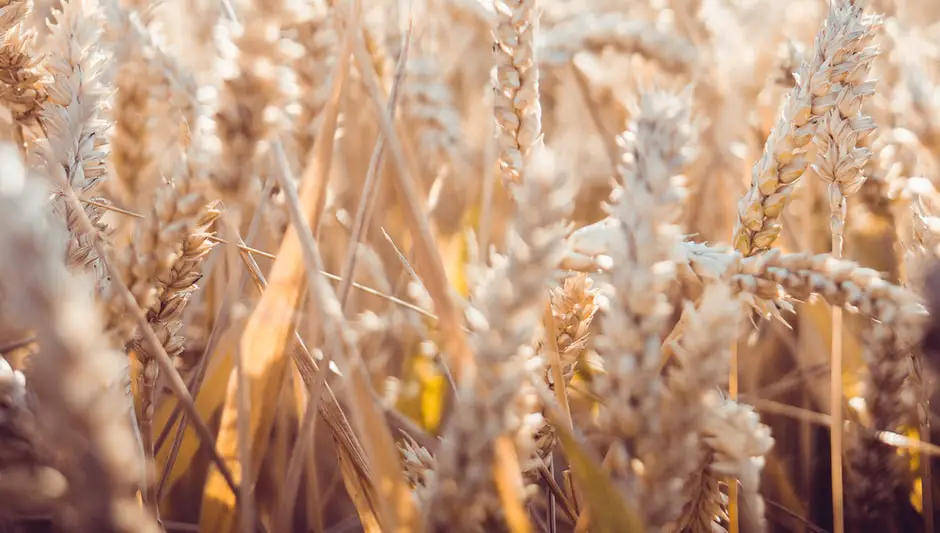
x,y
516,86
72,117
840,51
316,33
76,376
256,84
841,137
701,366
22,87
507,304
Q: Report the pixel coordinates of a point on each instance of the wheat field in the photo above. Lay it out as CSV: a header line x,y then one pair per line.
x,y
522,266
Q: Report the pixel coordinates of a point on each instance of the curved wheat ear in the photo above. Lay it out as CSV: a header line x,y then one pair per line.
x,y
591,31
428,101
841,52
498,401
75,376
516,86
772,279
899,317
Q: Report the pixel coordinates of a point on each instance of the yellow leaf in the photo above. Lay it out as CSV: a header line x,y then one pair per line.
x,y
609,512
210,398
509,485
358,494
432,395
407,403
269,334
421,375
394,495
454,252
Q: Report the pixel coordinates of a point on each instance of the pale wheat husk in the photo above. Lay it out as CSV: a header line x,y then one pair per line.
x,y
27,482
497,401
701,367
76,376
644,209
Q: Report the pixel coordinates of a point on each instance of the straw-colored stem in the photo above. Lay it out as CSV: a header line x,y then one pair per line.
x,y
734,510
835,440
232,220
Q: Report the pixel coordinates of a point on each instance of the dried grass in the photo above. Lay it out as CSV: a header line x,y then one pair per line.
x,y
181,182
